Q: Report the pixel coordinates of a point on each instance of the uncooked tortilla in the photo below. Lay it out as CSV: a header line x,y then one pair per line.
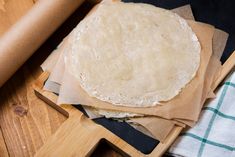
x,y
133,54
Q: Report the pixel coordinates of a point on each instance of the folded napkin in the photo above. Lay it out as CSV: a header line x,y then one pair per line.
x,y
214,134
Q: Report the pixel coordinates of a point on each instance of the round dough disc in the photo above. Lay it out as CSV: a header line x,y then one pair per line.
x,y
133,54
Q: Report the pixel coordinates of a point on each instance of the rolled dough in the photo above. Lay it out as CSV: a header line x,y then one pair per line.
x,y
133,54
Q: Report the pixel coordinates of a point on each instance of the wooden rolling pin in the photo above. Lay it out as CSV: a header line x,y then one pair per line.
x,y
29,33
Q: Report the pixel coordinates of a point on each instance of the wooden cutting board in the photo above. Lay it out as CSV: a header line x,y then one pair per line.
x,y
79,136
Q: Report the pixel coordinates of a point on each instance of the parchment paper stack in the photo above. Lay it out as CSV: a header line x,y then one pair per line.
x,y
156,121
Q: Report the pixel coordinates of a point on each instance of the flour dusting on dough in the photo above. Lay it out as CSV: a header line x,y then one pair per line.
x,y
133,54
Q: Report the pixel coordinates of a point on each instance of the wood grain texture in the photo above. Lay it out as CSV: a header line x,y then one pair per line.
x,y
3,148
84,135
10,12
104,150
26,121
227,68
82,129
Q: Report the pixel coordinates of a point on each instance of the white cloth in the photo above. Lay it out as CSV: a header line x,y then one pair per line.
x,y
214,134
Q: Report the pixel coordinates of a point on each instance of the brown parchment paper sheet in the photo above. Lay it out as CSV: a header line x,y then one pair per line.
x,y
55,79
188,99
157,126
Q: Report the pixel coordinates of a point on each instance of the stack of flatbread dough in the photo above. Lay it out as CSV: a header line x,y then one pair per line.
x,y
135,62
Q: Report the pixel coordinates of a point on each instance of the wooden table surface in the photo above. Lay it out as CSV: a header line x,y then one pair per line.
x,y
26,122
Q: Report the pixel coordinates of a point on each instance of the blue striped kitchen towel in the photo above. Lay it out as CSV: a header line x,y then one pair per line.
x,y
214,133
